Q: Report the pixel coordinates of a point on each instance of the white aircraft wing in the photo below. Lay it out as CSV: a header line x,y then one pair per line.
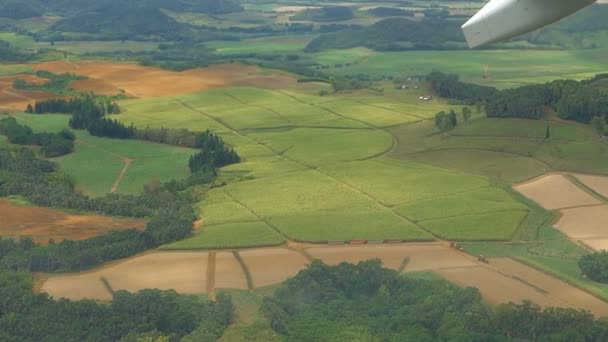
x,y
503,19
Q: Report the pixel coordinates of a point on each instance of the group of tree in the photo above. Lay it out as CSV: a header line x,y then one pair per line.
x,y
213,153
327,13
55,83
366,302
51,144
446,121
595,266
148,315
395,34
166,207
97,105
449,86
88,112
572,100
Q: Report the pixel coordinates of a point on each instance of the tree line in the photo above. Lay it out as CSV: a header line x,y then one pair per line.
x,y
166,206
572,100
366,302
148,315
51,144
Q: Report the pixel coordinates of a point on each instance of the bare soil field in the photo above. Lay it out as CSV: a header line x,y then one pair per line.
x,y
506,280
554,191
258,260
185,272
584,222
598,183
597,244
228,272
420,257
43,224
141,81
502,280
17,100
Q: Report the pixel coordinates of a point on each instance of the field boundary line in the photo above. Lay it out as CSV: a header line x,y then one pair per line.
x,y
390,109
107,285
580,184
127,164
260,218
560,278
210,286
245,269
550,171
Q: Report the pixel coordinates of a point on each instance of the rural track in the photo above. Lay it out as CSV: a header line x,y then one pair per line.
x,y
127,163
126,160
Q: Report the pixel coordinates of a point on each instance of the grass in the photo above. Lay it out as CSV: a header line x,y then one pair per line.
x,y
373,115
150,161
394,182
479,201
15,69
266,45
231,235
506,68
509,150
88,47
485,227
309,206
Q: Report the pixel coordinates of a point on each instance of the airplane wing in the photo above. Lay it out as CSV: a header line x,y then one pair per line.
x,y
503,19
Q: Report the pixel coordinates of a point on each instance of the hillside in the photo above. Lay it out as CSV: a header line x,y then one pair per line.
x,y
392,34
71,7
120,23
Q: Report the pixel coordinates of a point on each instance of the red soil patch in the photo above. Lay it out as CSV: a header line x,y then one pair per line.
x,y
142,81
15,99
44,223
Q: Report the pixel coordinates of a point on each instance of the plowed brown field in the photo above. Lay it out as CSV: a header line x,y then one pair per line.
x,y
502,280
17,100
141,81
44,223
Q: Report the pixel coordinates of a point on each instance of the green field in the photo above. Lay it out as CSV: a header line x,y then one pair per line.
x,y
231,235
97,162
510,150
314,169
505,68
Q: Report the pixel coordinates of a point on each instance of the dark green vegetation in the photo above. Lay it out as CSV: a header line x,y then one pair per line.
x,y
52,144
169,213
146,315
367,302
572,100
595,266
329,13
167,206
392,35
57,83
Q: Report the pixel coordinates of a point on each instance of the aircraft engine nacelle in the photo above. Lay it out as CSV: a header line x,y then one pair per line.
x,y
503,19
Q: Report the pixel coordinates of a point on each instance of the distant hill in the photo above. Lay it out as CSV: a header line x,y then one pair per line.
x,y
121,23
72,7
393,34
18,10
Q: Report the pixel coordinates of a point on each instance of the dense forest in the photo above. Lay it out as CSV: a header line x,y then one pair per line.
x,y
394,34
571,100
149,315
52,144
366,302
